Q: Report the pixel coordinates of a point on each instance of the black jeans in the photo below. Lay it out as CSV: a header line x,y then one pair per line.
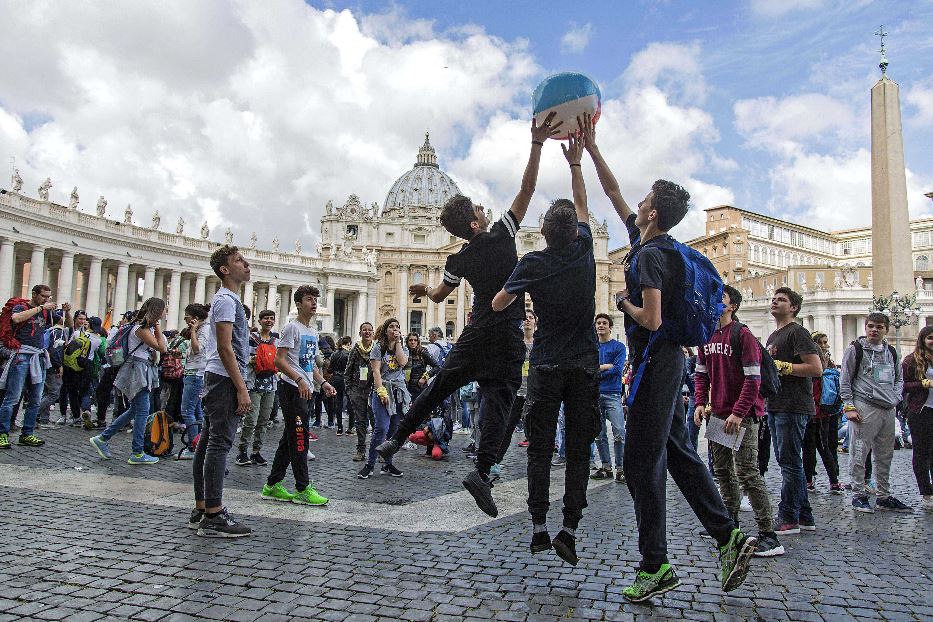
x,y
821,436
493,356
293,446
576,386
361,414
764,446
335,404
74,386
209,467
921,434
515,415
105,394
656,442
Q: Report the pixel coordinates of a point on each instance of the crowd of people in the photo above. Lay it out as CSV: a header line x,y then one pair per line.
x,y
603,409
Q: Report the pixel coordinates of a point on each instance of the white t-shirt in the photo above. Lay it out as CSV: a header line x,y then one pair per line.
x,y
92,336
196,362
136,350
301,342
226,307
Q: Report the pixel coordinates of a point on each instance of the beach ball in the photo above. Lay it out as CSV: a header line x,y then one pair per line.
x,y
570,95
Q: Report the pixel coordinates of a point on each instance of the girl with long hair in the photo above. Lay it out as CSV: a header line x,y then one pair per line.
x,y
418,361
822,432
390,398
197,331
137,377
918,392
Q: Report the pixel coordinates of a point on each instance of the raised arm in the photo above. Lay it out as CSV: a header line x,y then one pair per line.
x,y
606,178
573,152
438,293
530,178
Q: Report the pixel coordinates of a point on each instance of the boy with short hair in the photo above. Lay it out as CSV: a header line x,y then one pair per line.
x,y
294,359
657,440
871,385
262,385
728,383
226,398
612,355
561,281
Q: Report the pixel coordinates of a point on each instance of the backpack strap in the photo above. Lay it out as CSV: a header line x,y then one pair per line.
x,y
735,340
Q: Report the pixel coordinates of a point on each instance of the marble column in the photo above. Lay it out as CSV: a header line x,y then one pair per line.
x,y
149,289
93,288
212,286
248,298
185,298
132,288
37,266
174,293
362,310
159,285
461,310
285,304
7,257
51,279
331,321
837,341
403,297
104,285
262,297
119,294
66,276
199,289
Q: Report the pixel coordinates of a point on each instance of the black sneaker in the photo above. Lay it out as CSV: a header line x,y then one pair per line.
x,y
768,545
365,472
565,546
194,521
893,504
222,526
387,449
480,487
390,469
258,459
540,541
243,459
469,449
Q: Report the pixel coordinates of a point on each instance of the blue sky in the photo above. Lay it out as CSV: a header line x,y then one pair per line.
x,y
253,115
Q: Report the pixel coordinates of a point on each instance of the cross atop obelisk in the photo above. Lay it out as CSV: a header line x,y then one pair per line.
x,y
883,65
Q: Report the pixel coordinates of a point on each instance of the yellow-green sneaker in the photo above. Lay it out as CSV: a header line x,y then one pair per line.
x,y
30,440
309,496
4,441
735,557
648,584
276,492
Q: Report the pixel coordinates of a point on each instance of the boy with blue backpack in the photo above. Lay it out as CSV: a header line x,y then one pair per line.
x,y
659,319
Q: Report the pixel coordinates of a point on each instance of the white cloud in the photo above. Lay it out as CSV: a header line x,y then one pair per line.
x,y
243,114
576,38
781,125
675,68
779,8
919,100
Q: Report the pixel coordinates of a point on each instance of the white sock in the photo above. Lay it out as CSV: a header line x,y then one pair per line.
x,y
542,528
569,530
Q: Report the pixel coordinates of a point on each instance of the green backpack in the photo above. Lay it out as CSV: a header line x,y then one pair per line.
x,y
77,352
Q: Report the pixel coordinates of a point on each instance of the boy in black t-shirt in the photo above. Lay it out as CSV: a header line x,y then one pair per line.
x,y
490,348
561,281
657,440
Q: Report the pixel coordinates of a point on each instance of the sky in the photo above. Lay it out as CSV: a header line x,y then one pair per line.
x,y
252,115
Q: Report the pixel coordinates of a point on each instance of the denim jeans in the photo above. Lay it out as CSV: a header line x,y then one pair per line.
x,y
787,431
16,380
192,412
384,427
138,412
610,407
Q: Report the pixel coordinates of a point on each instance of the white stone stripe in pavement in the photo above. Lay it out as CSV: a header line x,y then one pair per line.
x,y
452,512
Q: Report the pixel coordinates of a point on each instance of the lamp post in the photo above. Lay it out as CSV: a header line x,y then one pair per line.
x,y
902,310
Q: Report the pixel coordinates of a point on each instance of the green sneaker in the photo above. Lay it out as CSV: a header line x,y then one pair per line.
x,y
30,440
647,584
4,441
276,492
735,557
309,496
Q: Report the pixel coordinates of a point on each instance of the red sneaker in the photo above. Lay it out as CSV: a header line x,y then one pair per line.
x,y
436,452
784,529
522,443
312,436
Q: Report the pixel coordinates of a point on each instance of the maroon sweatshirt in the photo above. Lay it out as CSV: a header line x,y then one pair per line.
x,y
730,387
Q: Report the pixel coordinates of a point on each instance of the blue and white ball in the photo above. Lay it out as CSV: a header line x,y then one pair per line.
x,y
570,95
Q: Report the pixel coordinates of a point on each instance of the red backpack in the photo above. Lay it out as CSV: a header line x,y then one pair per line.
x,y
265,359
7,330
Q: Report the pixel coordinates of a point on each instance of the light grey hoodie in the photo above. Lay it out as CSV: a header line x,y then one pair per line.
x,y
867,384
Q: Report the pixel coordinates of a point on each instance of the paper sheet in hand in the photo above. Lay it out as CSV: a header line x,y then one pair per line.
x,y
716,432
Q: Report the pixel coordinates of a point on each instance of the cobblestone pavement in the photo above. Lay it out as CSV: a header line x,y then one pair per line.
x,y
93,540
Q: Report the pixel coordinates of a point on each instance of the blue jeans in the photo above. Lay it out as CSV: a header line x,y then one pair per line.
x,y
561,433
138,412
787,431
192,413
610,407
384,427
693,430
16,382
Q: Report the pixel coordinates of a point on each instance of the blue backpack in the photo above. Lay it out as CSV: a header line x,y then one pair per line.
x,y
693,322
830,402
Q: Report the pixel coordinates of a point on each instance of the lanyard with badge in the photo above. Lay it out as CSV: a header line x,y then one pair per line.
x,y
881,373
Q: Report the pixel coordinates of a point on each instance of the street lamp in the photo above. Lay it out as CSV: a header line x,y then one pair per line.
x,y
901,310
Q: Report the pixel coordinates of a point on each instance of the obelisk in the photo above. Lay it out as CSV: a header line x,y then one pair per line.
x,y
892,265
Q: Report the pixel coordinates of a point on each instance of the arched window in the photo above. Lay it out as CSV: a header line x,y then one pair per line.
x,y
449,330
923,262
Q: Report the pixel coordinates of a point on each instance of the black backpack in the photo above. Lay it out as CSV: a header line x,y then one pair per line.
x,y
770,378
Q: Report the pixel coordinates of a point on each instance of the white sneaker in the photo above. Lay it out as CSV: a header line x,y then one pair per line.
x,y
746,505
463,431
185,454
311,456
409,445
